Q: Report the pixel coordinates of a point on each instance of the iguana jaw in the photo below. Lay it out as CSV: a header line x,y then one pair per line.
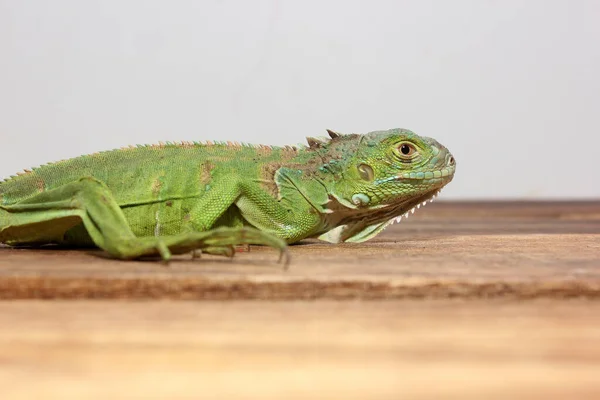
x,y
357,224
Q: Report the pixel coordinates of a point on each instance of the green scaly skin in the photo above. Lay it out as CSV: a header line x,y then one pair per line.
x,y
174,198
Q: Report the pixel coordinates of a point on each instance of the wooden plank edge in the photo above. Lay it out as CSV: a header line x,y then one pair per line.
x,y
73,288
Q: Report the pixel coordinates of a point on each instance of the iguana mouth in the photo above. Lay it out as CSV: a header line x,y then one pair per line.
x,y
438,178
440,174
435,176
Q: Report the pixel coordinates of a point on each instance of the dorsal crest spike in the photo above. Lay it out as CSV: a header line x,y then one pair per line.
x,y
333,134
314,143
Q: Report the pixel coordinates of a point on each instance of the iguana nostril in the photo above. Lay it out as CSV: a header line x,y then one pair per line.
x,y
451,160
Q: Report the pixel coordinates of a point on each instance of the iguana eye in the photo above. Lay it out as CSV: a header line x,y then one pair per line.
x,y
406,150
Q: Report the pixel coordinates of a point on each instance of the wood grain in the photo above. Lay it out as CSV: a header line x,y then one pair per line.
x,y
408,349
462,301
467,250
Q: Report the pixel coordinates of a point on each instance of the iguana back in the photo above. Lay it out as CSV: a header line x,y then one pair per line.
x,y
149,173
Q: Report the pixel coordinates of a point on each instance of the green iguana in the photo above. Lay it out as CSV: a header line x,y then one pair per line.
x,y
173,198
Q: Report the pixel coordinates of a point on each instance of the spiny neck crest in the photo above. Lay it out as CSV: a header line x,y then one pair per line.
x,y
315,143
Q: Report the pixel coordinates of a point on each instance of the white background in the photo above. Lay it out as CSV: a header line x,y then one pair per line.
x,y
511,87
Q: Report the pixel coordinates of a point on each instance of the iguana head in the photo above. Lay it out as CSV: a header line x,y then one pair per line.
x,y
384,175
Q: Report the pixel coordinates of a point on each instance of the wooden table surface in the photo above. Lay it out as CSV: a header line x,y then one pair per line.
x,y
462,301
468,250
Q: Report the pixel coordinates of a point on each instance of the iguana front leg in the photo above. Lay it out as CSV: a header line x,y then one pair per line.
x,y
47,216
292,215
288,216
